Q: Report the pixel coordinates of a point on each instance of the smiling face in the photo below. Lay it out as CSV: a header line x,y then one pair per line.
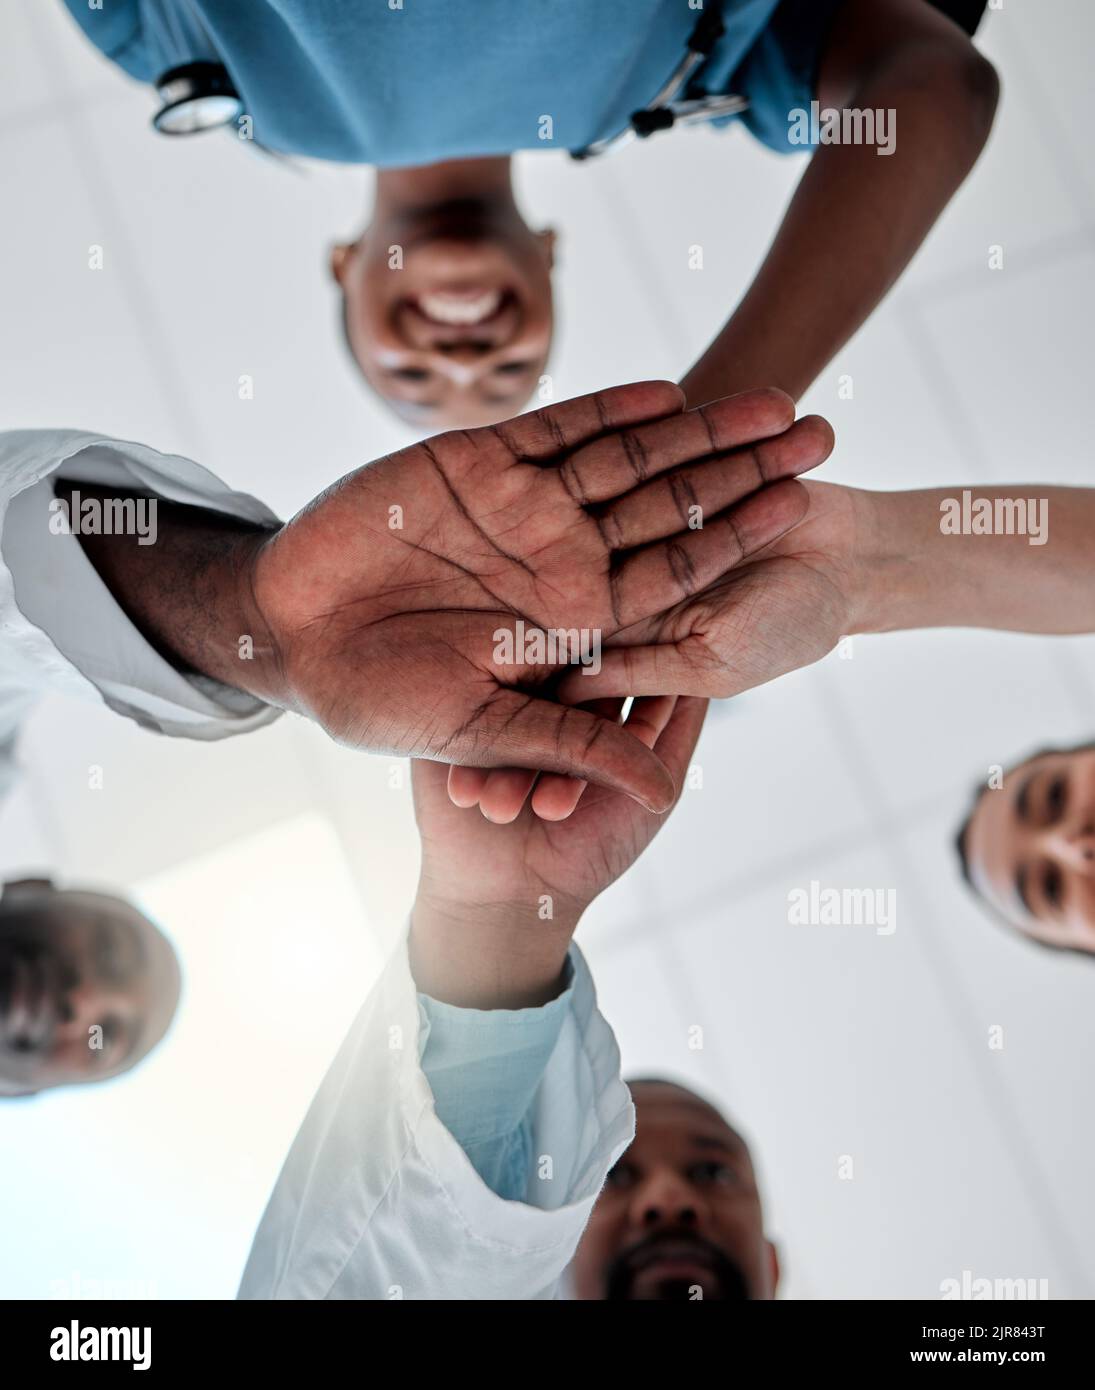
x,y
679,1213
456,333
1030,848
88,987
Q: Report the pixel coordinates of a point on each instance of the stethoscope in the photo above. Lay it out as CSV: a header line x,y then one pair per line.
x,y
200,96
662,112
196,97
196,92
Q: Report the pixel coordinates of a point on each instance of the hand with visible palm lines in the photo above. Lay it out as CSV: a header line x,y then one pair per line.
x,y
380,601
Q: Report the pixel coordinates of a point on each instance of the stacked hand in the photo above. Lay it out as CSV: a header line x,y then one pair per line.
x,y
474,871
378,606
786,606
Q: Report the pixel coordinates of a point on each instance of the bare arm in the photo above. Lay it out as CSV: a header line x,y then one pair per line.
x,y
188,594
865,561
857,216
914,573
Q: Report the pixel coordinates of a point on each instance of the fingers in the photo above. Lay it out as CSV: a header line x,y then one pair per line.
x,y
542,435
466,785
648,720
556,797
677,743
503,793
620,461
680,500
661,575
541,734
645,671
661,722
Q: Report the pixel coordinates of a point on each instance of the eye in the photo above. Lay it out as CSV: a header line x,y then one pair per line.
x,y
621,1177
511,369
1056,798
409,374
712,1171
1052,884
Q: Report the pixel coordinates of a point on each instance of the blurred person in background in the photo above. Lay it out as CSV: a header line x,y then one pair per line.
x,y
1027,847
680,1215
88,986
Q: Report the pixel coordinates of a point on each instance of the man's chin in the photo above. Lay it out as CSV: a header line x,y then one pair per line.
x,y
668,1286
677,1274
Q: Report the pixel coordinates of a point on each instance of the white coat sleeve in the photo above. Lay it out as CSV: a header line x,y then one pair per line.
x,y
60,627
377,1200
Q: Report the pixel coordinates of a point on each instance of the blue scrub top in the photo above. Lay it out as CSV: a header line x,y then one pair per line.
x,y
362,82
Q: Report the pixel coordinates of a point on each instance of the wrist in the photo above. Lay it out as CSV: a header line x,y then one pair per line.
x,y
885,576
191,593
248,653
537,919
212,624
486,956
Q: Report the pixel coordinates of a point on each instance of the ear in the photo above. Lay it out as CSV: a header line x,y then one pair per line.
x,y
17,1094
773,1266
339,260
547,239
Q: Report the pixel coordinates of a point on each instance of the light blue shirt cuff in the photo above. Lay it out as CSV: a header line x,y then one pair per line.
x,y
484,1067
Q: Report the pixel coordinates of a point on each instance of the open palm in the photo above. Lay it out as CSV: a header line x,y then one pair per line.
x,y
787,607
384,597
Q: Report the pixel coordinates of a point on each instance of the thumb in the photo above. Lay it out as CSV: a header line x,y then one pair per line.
x,y
549,737
655,670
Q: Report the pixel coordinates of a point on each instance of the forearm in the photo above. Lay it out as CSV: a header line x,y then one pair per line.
x,y
855,220
486,957
922,562
188,592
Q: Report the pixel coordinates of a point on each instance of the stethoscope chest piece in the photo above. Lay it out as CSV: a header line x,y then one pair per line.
x,y
196,97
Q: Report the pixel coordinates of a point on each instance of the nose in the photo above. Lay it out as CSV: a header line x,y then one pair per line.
x,y
665,1199
1075,846
463,363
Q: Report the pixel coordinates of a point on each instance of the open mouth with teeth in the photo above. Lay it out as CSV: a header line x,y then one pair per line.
x,y
468,308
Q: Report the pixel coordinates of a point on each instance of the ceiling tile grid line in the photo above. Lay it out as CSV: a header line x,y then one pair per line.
x,y
951,988
1054,138
621,211
878,830
104,197
975,454
1024,260
718,1071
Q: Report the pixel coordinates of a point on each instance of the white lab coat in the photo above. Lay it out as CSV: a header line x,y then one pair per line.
x,y
61,629
377,1200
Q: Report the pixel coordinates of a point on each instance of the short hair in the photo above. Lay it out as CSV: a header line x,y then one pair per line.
x,y
690,1090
